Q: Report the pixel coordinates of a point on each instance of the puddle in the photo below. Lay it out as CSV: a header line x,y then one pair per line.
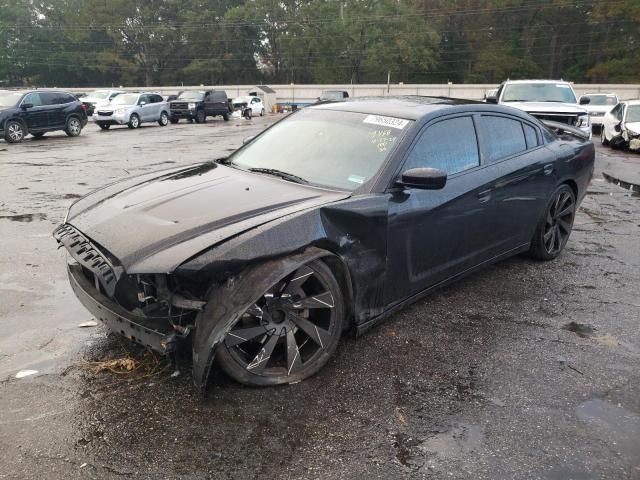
x,y
619,427
581,329
455,442
24,217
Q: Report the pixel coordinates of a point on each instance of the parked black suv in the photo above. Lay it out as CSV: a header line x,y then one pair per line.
x,y
198,105
38,112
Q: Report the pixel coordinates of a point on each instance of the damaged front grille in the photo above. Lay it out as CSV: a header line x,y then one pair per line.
x,y
87,255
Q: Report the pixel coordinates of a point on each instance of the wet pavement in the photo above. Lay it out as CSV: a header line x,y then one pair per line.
x,y
526,370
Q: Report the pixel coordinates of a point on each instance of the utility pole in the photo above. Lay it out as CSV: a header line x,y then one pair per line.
x,y
388,81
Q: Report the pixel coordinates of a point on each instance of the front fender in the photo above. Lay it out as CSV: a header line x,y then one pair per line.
x,y
227,302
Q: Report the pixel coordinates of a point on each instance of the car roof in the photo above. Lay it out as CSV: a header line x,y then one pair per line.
x,y
537,81
599,93
631,102
410,107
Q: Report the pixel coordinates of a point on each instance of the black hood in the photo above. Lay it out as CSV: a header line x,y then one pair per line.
x,y
201,206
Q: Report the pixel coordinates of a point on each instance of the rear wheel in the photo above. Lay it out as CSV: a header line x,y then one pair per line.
x,y
225,117
289,333
104,126
74,127
555,227
134,121
201,117
164,119
14,132
603,137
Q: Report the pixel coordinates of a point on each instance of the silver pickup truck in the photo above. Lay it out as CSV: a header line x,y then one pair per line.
x,y
550,100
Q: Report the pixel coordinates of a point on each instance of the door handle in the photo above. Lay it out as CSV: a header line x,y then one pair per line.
x,y
484,196
548,169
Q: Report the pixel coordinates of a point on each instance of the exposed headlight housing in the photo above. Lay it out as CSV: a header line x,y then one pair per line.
x,y
583,120
192,106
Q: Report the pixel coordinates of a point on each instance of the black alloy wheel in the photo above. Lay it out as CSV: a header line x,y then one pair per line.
x,y
201,117
74,127
553,231
289,333
14,132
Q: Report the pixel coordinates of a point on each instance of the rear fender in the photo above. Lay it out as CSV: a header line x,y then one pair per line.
x,y
228,301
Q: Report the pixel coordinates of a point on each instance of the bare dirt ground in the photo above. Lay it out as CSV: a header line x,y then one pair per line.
x,y
526,370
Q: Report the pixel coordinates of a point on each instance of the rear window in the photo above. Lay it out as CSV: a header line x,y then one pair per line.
x,y
500,137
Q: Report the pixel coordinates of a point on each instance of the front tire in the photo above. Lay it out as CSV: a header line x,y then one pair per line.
x,y
289,333
201,117
164,119
74,127
225,117
104,126
14,132
134,121
553,230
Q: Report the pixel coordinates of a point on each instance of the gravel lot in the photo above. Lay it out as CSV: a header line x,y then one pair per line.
x,y
526,370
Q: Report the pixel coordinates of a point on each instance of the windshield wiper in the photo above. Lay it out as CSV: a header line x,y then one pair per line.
x,y
279,173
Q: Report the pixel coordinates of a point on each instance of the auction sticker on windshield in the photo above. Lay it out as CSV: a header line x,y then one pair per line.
x,y
392,122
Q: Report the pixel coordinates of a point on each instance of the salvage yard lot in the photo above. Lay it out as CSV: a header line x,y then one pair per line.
x,y
525,370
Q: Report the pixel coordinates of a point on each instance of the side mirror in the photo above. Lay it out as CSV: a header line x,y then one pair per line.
x,y
424,178
248,139
26,106
585,100
617,128
142,104
492,99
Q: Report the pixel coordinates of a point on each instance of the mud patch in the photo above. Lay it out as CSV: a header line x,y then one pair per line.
x,y
24,217
581,329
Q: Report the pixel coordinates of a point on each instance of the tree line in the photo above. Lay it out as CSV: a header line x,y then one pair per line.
x,y
172,42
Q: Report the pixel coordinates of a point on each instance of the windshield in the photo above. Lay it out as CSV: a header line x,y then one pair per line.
x,y
99,94
602,100
191,96
323,147
633,113
538,92
9,99
125,99
331,96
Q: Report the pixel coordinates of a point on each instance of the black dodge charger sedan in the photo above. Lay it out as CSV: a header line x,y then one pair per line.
x,y
329,220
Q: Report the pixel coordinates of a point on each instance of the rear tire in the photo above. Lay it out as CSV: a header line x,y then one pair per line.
x,y
201,116
74,127
164,119
134,121
554,228
14,132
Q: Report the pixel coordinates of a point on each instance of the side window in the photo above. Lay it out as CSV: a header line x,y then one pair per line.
x,y
68,98
450,145
34,99
500,137
50,98
145,99
157,99
530,135
617,111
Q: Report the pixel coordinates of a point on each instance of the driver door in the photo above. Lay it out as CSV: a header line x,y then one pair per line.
x,y
37,115
436,234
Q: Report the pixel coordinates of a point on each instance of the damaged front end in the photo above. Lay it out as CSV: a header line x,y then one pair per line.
x,y
632,139
155,311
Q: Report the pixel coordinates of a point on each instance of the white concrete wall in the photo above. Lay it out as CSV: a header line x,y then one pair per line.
x,y
309,93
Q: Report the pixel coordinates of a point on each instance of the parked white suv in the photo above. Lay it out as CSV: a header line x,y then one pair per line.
x,y
133,109
597,104
553,100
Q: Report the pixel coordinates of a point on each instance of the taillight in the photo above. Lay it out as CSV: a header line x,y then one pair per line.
x,y
84,106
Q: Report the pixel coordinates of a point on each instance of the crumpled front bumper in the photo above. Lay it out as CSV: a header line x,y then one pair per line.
x,y
116,318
